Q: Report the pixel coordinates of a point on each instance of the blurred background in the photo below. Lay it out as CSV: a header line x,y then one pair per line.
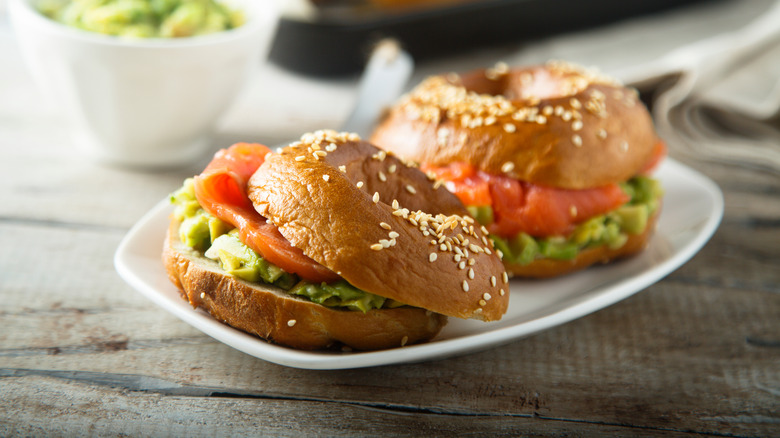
x,y
320,47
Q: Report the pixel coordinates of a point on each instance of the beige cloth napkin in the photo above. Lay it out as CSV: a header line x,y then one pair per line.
x,y
720,99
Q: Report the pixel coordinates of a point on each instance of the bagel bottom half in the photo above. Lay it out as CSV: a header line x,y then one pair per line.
x,y
272,314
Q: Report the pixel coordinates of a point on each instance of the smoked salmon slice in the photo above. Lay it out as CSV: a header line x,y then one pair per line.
x,y
221,191
524,207
544,211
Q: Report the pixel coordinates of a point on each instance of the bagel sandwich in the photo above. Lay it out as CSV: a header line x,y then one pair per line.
x,y
329,242
555,160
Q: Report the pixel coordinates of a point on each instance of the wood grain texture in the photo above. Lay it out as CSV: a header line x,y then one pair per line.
x,y
81,353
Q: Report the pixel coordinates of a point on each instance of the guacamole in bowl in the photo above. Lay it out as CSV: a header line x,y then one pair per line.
x,y
144,18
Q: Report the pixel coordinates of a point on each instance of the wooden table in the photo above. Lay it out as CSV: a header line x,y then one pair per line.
x,y
81,353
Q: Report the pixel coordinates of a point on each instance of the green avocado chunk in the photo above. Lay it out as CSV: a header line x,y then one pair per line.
x,y
144,18
611,229
239,260
339,294
482,213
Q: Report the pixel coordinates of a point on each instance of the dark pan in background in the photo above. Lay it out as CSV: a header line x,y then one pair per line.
x,y
336,39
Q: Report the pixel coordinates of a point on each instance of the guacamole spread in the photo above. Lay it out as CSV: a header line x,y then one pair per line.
x,y
219,241
144,18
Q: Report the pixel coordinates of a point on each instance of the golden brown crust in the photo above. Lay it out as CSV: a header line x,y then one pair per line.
x,y
556,125
271,314
546,268
310,192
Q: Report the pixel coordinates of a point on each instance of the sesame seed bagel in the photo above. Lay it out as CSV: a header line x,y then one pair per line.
x,y
381,225
556,125
275,315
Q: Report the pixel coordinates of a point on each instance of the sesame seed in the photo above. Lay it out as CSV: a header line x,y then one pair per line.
x,y
392,168
404,340
376,246
576,125
486,296
376,197
540,119
432,258
602,134
462,264
326,177
300,158
501,292
510,128
482,302
465,286
202,295
331,147
505,277
385,243
471,273
577,140
507,167
472,262
320,153
393,234
493,281
500,254
624,146
384,225
443,247
395,204
478,310
343,169
359,184
382,176
575,103
291,322
411,189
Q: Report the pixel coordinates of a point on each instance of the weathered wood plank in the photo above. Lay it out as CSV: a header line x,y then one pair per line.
x,y
677,354
72,408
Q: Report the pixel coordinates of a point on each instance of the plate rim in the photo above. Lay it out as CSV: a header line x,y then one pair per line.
x,y
607,295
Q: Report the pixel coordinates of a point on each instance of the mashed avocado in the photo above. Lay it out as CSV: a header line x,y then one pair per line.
x,y
219,241
144,18
611,229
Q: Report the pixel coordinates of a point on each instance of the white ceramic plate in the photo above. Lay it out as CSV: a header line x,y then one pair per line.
x,y
693,207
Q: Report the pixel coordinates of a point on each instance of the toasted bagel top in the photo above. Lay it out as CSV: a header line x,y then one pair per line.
x,y
557,125
381,225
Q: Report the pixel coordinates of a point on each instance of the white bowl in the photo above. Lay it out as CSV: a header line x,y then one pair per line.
x,y
143,102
